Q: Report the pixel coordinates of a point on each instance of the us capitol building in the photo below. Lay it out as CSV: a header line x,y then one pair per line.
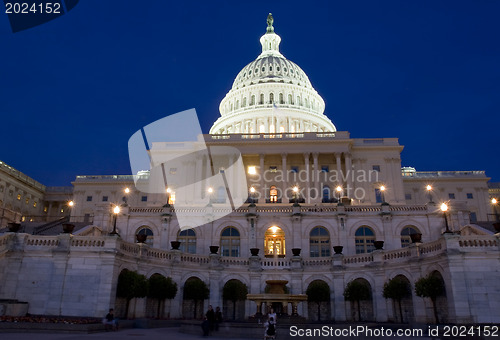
x,y
318,206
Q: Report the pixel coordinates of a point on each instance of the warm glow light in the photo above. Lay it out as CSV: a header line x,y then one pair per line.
x,y
210,190
252,190
274,229
252,170
382,188
116,209
169,190
71,203
338,188
295,189
127,190
444,207
428,187
494,201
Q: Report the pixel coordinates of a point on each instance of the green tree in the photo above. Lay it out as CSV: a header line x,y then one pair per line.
x,y
196,290
430,286
397,289
234,290
131,285
356,291
161,288
318,291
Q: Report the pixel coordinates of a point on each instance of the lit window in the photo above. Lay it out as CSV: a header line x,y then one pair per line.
x,y
230,242
470,196
405,235
45,209
376,168
273,194
34,204
104,198
364,240
451,196
171,198
274,242
27,200
252,170
319,242
273,168
187,238
18,197
144,198
89,198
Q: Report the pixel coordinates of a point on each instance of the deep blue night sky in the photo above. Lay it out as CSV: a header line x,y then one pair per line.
x,y
75,89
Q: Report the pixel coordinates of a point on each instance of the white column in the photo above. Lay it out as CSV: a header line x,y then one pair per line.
x,y
316,176
348,172
285,177
261,174
338,161
308,174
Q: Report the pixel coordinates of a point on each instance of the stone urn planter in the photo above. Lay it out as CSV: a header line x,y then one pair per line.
x,y
338,250
417,237
14,227
141,238
68,228
379,245
175,245
214,249
296,251
254,251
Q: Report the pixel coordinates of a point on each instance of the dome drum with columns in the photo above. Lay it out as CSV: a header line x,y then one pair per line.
x,y
272,94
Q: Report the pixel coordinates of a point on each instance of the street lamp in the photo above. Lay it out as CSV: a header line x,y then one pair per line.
x,y
210,191
496,225
444,209
382,189
70,206
339,190
429,191
252,195
295,190
124,199
116,211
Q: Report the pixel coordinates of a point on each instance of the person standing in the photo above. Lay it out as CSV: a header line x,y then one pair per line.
x,y
218,317
210,317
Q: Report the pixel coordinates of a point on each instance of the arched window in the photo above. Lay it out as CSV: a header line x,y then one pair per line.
x,y
281,99
271,98
273,194
230,242
326,194
405,235
274,242
261,101
187,238
364,238
252,100
237,104
319,242
290,99
306,103
262,128
145,230
244,102
298,101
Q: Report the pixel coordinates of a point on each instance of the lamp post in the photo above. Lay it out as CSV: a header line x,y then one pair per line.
x,y
116,211
338,189
382,190
295,190
210,191
169,191
252,195
429,191
444,209
70,206
494,202
126,191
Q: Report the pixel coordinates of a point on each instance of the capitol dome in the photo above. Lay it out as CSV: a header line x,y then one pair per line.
x,y
272,94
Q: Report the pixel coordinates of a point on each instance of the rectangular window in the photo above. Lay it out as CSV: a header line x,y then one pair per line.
x,y
173,171
407,197
144,198
89,198
27,200
18,197
273,168
11,193
376,168
104,198
378,195
294,169
324,168
34,204
451,196
470,196
45,209
473,217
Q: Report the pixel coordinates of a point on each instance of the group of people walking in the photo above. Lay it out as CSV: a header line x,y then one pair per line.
x,y
211,320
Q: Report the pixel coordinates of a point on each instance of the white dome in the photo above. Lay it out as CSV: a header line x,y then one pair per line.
x,y
271,94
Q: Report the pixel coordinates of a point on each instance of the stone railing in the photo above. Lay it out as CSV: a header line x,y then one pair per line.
x,y
39,242
146,210
318,262
431,247
358,259
408,208
477,242
397,254
234,261
274,263
88,242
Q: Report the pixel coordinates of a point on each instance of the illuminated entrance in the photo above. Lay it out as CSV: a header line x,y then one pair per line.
x,y
274,243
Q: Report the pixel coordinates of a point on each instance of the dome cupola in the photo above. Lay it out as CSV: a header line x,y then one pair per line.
x,y
271,94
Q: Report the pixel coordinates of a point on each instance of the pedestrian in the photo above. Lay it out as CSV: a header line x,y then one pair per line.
x,y
110,321
205,326
210,315
218,317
